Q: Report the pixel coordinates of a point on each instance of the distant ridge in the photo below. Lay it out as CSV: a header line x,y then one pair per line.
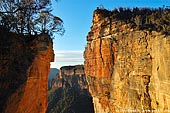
x,y
53,73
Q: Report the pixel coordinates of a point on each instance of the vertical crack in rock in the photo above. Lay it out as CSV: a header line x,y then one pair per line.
x,y
111,46
100,47
147,100
145,36
110,25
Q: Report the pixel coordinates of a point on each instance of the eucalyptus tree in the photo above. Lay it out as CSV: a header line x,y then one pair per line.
x,y
29,17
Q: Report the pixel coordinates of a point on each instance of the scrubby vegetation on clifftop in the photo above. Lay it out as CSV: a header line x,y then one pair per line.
x,y
152,19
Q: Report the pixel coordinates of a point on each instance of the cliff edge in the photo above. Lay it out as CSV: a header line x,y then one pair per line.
x,y
127,66
24,68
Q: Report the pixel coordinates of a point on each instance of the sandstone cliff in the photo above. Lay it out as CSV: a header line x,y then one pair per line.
x,y
24,68
69,92
127,68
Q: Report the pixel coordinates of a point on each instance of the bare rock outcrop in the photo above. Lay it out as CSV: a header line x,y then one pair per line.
x,y
127,68
24,68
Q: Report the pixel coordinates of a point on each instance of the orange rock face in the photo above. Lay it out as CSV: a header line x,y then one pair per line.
x,y
127,69
24,72
99,62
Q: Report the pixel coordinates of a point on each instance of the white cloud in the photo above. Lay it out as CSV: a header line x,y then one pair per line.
x,y
65,58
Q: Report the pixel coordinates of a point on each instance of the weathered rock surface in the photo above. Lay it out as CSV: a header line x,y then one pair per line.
x,y
24,69
69,92
127,69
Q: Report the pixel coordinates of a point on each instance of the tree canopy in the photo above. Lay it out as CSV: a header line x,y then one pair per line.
x,y
29,17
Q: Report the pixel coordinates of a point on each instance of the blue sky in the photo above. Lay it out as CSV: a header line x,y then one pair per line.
x,y
77,17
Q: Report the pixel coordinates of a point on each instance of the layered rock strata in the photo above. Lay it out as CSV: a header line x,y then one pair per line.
x,y
69,92
24,68
127,69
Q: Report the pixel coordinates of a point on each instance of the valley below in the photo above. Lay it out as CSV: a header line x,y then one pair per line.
x,y
69,92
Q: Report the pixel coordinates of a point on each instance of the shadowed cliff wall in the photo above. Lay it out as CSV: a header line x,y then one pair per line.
x,y
24,68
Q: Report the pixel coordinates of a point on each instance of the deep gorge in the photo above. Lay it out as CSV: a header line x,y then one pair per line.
x,y
69,92
127,63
